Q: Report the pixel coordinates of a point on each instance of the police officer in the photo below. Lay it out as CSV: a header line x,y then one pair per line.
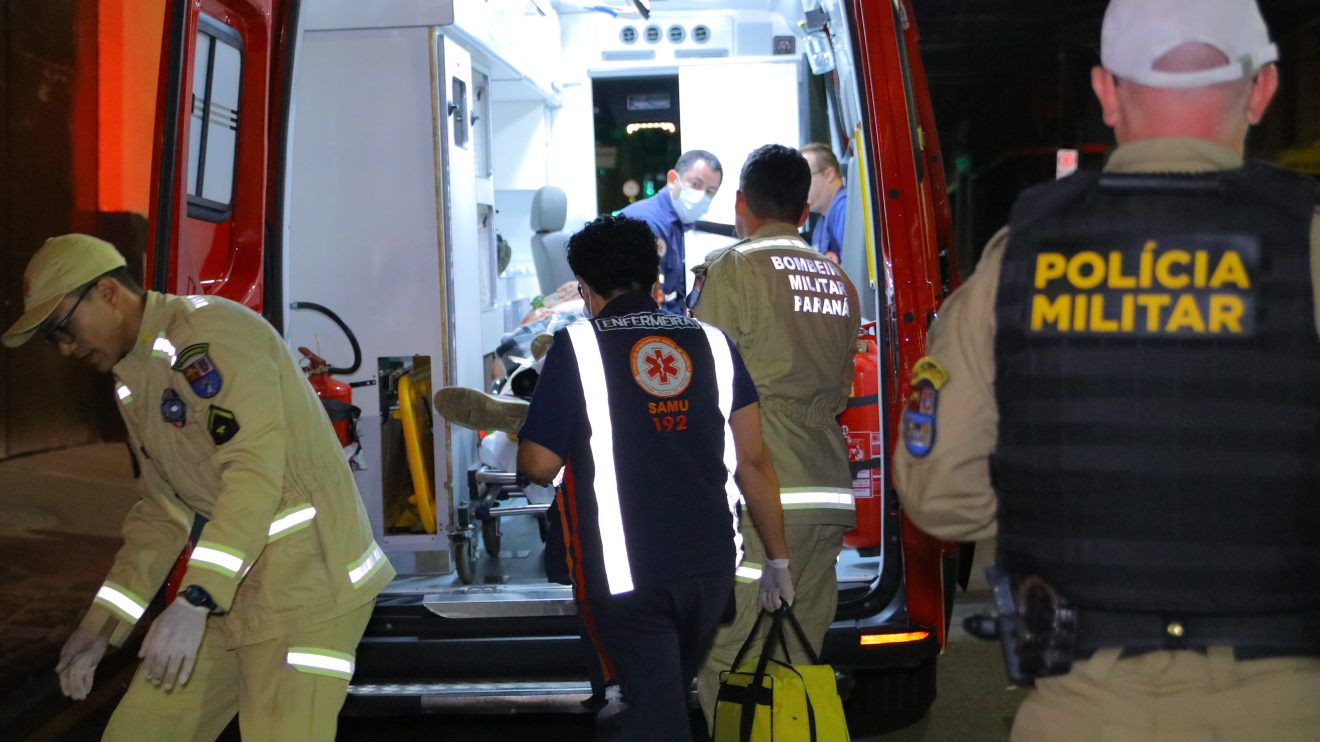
x,y
1134,361
794,316
281,583
654,415
688,190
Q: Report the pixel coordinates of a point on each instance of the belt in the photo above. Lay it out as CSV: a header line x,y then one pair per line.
x,y
1251,637
813,414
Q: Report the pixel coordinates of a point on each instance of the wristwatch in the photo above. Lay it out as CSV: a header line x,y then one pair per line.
x,y
197,595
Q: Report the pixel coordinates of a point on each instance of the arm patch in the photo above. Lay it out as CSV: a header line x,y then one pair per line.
x,y
222,425
918,424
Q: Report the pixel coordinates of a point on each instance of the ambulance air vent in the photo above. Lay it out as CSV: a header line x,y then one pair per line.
x,y
652,34
701,34
677,34
628,35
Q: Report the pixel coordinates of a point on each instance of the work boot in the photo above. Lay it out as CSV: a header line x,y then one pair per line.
x,y
480,411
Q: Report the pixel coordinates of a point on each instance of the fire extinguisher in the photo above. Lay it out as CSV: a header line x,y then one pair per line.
x,y
336,396
861,425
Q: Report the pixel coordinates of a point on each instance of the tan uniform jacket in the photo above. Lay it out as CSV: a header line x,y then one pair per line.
x,y
225,424
948,492
794,317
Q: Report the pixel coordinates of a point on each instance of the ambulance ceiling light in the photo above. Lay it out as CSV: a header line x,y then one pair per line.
x,y
665,126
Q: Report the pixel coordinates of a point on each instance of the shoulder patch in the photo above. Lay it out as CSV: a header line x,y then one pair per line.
x,y
918,424
195,363
222,425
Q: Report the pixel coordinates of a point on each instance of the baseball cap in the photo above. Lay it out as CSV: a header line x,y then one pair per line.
x,y
1136,33
60,265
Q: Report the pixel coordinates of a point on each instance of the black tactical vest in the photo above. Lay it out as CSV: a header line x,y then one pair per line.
x,y
1158,383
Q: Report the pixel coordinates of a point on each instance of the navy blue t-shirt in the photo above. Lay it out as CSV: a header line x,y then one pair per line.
x,y
668,450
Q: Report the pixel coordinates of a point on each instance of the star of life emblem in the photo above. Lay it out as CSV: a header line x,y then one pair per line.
x,y
660,367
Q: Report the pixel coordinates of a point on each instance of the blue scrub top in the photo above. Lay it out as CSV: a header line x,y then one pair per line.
x,y
828,235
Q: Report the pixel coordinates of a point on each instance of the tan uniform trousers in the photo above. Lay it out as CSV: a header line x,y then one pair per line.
x,y
812,552
1175,697
273,699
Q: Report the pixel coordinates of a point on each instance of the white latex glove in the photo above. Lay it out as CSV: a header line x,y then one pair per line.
x,y
170,649
776,584
78,660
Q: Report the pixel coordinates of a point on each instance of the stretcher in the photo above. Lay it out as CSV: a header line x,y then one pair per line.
x,y
495,494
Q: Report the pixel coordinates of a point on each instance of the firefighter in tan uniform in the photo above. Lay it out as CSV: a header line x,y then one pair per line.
x,y
279,587
794,316
1135,360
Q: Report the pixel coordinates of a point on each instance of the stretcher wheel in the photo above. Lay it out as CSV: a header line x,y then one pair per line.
x,y
465,559
490,536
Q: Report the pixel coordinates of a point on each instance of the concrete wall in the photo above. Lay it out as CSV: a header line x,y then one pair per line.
x,y
77,92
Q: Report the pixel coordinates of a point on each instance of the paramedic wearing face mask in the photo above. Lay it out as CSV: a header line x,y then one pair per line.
x,y
690,186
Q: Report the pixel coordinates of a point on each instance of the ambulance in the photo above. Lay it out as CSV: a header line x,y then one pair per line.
x,y
390,182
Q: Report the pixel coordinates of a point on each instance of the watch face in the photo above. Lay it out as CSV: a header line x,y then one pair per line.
x,y
199,597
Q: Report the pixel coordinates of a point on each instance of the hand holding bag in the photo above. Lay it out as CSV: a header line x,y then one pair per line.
x,y
765,699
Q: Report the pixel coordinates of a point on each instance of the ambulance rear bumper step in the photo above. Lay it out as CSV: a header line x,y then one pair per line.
x,y
477,697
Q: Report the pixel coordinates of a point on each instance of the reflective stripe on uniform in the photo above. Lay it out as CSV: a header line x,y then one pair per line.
x,y
747,572
163,348
318,661
366,565
719,351
609,511
805,498
773,244
124,393
122,601
216,557
291,521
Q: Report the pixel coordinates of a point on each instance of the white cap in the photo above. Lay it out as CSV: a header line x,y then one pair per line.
x,y
1136,33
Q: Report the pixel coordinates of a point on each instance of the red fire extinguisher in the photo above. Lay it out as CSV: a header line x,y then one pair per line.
x,y
336,396
861,425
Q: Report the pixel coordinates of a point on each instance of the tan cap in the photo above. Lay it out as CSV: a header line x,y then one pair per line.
x,y
60,266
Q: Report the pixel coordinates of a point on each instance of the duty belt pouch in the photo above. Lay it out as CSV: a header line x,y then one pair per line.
x,y
766,699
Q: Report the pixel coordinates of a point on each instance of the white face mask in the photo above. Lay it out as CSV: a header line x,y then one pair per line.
x,y
691,205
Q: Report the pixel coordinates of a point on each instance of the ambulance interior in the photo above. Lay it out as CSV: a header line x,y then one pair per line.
x,y
426,133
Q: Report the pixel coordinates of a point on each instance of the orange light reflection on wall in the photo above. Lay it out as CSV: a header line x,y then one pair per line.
x,y
128,55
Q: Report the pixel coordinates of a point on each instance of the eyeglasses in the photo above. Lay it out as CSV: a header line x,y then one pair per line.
x,y
59,333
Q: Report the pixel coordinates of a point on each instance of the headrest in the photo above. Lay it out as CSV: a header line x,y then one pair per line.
x,y
549,209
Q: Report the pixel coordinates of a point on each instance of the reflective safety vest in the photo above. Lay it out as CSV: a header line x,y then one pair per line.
x,y
652,513
1159,418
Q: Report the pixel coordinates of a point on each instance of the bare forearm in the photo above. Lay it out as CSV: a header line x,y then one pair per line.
x,y
760,488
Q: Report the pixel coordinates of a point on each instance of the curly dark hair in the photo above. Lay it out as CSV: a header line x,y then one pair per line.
x,y
613,254
774,181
